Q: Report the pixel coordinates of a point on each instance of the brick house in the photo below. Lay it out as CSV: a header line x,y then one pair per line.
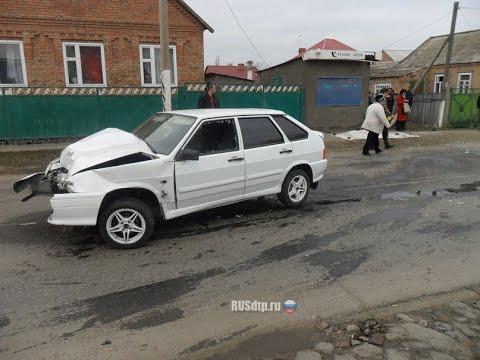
x,y
94,43
232,74
464,71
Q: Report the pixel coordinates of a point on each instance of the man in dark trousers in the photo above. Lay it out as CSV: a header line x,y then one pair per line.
x,y
385,103
209,99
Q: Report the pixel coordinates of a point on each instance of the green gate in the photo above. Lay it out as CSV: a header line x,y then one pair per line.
x,y
464,110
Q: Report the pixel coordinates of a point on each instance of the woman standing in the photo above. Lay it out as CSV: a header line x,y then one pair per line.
x,y
401,114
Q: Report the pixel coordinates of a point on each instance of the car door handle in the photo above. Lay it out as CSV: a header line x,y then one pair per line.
x,y
235,159
286,151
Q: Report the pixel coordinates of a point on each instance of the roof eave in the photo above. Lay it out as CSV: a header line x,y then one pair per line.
x,y
198,17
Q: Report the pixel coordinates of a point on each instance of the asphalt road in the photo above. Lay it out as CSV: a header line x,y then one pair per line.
x,y
371,234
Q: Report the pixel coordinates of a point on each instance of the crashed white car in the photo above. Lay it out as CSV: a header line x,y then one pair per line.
x,y
178,163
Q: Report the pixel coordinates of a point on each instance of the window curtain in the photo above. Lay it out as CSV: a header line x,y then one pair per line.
x,y
11,71
91,60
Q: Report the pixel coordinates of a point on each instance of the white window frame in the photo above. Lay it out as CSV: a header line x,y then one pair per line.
x,y
22,58
152,66
77,59
379,87
465,89
435,82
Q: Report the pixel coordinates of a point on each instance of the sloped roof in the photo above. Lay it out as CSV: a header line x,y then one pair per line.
x,y
397,55
325,44
191,11
466,49
232,71
328,44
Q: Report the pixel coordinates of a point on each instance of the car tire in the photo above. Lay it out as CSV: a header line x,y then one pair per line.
x,y
295,188
127,223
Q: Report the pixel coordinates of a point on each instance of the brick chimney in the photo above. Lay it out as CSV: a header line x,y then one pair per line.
x,y
241,66
250,70
301,51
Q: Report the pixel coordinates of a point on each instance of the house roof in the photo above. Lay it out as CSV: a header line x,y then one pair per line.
x,y
203,22
232,71
325,44
397,55
466,49
328,44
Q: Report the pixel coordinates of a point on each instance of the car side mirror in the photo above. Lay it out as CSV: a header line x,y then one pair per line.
x,y
188,154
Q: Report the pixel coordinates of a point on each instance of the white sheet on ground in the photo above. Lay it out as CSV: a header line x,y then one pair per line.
x,y
362,134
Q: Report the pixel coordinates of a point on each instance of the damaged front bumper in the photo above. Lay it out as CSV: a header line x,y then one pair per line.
x,y
38,184
51,182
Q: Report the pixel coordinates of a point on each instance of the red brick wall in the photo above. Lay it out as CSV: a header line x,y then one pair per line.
x,y
121,25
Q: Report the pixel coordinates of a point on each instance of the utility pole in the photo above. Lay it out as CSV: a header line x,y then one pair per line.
x,y
165,50
446,90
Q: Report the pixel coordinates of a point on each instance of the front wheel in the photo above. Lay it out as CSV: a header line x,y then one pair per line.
x,y
127,223
295,188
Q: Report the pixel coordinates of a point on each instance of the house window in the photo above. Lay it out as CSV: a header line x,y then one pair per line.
x,y
151,65
464,82
379,87
84,64
438,84
12,64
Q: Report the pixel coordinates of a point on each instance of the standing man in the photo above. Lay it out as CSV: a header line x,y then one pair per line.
x,y
209,99
375,121
388,113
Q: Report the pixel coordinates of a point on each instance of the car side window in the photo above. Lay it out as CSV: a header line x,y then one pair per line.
x,y
259,131
214,136
293,131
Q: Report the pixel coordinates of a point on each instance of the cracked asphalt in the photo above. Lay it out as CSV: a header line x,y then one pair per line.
x,y
378,230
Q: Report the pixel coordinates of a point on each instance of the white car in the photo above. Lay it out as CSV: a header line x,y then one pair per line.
x,y
178,163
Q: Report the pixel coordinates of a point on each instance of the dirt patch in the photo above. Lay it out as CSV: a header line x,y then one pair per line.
x,y
20,162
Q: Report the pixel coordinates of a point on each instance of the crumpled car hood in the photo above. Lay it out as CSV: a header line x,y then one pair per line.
x,y
98,148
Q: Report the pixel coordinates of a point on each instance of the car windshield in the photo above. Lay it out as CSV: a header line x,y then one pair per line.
x,y
163,132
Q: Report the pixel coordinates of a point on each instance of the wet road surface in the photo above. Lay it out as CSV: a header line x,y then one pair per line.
x,y
377,230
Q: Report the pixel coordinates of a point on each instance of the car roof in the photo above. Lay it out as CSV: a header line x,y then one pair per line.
x,y
208,113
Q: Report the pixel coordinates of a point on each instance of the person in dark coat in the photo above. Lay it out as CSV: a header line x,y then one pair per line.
x,y
408,95
388,112
209,99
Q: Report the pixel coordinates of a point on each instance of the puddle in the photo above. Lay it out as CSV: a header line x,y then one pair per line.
x,y
406,195
399,195
465,188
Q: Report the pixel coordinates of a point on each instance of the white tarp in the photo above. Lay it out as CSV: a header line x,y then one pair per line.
x,y
362,134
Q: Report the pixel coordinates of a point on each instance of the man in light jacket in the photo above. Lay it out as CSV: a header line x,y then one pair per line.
x,y
375,120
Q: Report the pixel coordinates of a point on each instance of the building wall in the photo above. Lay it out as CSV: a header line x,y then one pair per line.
x,y
121,25
306,73
227,80
399,82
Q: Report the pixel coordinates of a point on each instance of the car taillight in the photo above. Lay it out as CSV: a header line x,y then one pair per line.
x,y
324,153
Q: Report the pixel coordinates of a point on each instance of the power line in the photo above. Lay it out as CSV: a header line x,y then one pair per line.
x,y
469,8
416,31
245,33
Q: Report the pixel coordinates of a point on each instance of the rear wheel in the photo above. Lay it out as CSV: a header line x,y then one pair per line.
x,y
127,223
295,188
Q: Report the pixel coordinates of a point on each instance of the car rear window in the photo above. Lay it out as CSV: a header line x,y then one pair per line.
x,y
259,131
293,131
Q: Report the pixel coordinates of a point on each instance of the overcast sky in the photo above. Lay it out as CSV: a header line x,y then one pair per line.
x,y
279,27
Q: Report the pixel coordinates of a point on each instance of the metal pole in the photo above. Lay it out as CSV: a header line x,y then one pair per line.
x,y
417,84
446,86
165,49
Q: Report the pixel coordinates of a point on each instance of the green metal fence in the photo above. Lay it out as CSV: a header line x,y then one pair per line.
x,y
33,113
464,110
286,98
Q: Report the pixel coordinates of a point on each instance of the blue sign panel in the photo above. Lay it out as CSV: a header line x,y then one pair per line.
x,y
339,92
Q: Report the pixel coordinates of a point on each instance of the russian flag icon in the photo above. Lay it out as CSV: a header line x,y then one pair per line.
x,y
289,306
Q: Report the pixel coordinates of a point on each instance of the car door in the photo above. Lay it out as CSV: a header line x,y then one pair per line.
x,y
218,176
267,155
